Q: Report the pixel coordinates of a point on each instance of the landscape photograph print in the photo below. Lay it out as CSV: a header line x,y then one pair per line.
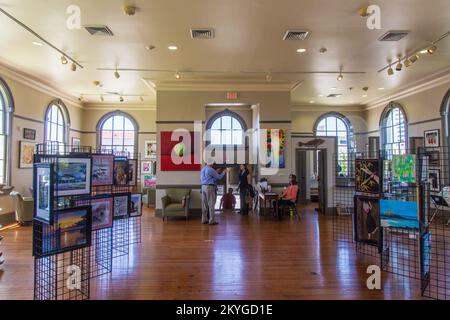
x,y
73,176
367,176
102,170
74,228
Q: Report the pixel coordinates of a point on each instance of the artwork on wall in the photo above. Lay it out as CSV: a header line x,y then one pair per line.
x,y
132,172
433,158
177,152
367,220
102,170
136,205
26,154
76,142
434,178
276,139
102,212
150,149
149,181
404,168
121,205
432,138
43,184
121,172
73,175
29,134
399,214
367,176
148,167
74,228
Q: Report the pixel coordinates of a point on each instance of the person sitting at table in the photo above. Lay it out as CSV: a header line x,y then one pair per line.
x,y
289,194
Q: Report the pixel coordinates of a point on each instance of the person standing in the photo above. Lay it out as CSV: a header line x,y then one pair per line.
x,y
244,183
209,179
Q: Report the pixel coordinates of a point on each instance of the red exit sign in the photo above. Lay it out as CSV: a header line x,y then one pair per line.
x,y
232,96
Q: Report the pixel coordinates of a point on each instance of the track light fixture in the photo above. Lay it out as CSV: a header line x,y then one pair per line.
x,y
102,99
178,76
340,77
64,60
414,58
121,99
117,74
390,71
399,66
73,67
269,77
407,63
432,49
141,98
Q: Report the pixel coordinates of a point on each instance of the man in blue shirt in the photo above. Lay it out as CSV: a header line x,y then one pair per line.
x,y
209,178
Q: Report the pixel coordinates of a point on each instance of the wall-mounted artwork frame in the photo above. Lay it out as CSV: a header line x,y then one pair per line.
x,y
432,138
43,189
76,142
26,154
178,151
102,170
29,134
276,158
434,178
150,149
73,176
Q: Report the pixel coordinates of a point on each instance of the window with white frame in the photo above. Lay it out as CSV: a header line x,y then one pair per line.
x,y
118,132
56,124
335,125
4,127
393,129
226,129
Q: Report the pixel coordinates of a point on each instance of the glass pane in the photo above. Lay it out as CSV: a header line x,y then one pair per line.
x,y
342,138
60,134
236,125
2,147
226,137
389,137
53,132
322,125
118,138
129,138
217,124
118,123
226,122
341,126
1,120
108,124
129,149
238,137
216,137
129,125
331,124
321,133
54,114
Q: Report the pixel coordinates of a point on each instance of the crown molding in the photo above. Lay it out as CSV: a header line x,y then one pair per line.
x,y
35,83
427,83
326,108
119,106
205,85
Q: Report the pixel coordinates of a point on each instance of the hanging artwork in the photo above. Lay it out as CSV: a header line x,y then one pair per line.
x,y
136,205
150,149
434,178
132,172
43,184
121,205
367,176
276,148
178,151
121,171
432,138
73,176
26,154
404,168
102,169
367,220
147,167
102,212
149,181
74,228
399,214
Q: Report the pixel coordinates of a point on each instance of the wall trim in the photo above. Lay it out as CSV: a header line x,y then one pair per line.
x,y
326,108
178,122
27,119
114,106
275,121
35,83
186,186
425,121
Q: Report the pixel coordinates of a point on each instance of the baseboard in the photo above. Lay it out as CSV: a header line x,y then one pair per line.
x,y
7,218
192,213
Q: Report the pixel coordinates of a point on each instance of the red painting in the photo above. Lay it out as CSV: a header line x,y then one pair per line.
x,y
180,151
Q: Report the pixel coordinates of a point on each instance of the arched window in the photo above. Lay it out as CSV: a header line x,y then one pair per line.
x,y
226,128
336,125
118,132
445,113
6,108
57,123
393,127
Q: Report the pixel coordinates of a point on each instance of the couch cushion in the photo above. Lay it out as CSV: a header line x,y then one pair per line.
x,y
177,195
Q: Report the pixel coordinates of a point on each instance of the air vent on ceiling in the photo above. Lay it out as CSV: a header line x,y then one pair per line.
x,y
202,33
99,30
394,35
296,35
334,95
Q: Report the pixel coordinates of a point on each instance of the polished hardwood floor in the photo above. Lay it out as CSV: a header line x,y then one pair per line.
x,y
249,257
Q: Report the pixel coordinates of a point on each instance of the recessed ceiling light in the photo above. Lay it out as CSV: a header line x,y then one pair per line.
x,y
301,50
39,44
380,88
178,76
312,101
172,48
333,88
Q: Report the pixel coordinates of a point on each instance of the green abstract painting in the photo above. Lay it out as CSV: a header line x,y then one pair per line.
x,y
404,168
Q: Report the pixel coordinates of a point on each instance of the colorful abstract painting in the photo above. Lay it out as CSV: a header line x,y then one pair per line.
x,y
276,148
367,176
404,168
178,151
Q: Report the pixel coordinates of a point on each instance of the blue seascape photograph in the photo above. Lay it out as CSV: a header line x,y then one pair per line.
x,y
399,214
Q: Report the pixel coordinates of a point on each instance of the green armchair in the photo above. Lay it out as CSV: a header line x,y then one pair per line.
x,y
176,203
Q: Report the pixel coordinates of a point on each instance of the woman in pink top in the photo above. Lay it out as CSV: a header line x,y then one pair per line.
x,y
289,195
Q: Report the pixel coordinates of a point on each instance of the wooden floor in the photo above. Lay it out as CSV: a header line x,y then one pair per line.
x,y
242,258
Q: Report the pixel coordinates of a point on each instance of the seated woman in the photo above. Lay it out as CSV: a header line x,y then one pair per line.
x,y
289,195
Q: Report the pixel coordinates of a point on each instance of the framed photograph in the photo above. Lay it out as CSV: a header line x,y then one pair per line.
x,y
73,228
432,138
102,212
26,154
76,142
121,172
150,149
367,220
149,181
367,176
29,134
404,168
434,178
132,172
146,167
136,205
121,206
433,158
73,176
43,184
102,170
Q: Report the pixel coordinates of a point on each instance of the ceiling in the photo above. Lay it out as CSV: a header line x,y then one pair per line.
x,y
247,45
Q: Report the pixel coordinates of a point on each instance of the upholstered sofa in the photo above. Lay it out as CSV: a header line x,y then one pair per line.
x,y
176,203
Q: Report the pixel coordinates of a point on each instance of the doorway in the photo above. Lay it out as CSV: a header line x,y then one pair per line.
x,y
311,174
